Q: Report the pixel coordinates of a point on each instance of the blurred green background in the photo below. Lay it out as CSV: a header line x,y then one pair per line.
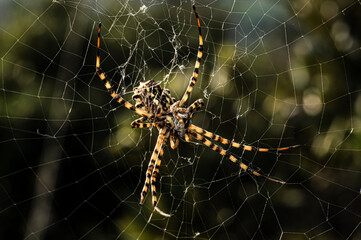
x,y
274,74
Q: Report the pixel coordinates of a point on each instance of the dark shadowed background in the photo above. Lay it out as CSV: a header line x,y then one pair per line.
x,y
274,74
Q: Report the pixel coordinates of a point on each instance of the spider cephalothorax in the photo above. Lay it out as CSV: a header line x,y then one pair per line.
x,y
182,116
157,102
158,108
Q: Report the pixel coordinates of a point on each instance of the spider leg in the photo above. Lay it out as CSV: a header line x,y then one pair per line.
x,y
198,62
196,106
231,157
109,87
153,170
151,165
138,123
155,176
187,137
225,141
174,140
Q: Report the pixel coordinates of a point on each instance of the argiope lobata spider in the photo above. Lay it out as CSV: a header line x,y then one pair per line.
x,y
158,108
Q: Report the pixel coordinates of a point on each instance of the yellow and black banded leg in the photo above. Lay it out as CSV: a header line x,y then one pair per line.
x,y
155,175
231,157
107,83
174,140
196,106
138,123
152,163
225,141
193,80
187,137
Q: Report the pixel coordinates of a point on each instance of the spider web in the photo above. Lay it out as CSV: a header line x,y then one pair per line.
x,y
274,74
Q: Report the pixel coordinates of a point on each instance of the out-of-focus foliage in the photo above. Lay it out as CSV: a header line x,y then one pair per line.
x,y
272,75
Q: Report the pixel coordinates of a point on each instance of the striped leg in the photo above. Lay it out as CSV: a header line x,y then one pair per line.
x,y
231,157
154,179
107,83
225,141
152,164
198,62
138,123
196,106
174,140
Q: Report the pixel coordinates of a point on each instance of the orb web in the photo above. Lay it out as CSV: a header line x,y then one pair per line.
x,y
273,74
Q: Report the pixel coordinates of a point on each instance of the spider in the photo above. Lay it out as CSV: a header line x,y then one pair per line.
x,y
158,108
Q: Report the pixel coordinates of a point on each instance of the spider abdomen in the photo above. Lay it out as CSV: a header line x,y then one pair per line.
x,y
152,98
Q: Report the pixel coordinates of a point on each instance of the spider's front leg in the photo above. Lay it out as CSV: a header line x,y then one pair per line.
x,y
107,82
230,156
193,79
225,141
192,109
196,106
